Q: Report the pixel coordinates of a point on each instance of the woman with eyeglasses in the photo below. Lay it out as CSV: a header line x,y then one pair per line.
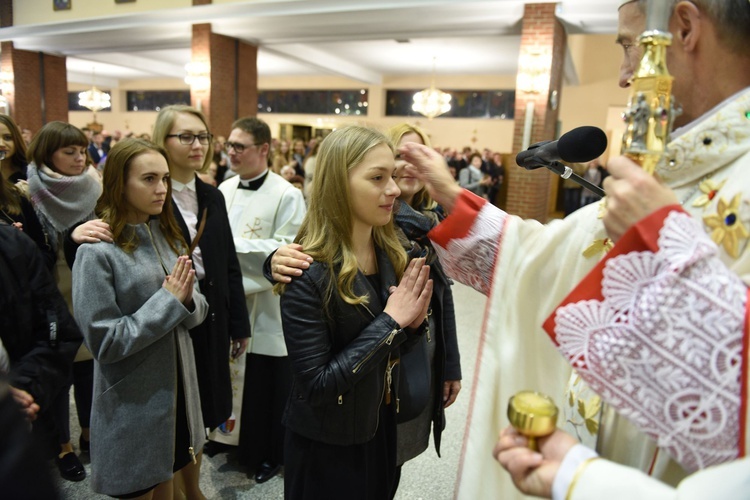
x,y
184,134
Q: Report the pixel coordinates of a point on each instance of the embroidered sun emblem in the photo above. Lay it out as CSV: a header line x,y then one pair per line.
x,y
726,227
601,246
709,188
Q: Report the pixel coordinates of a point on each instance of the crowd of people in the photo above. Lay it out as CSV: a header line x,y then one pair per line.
x,y
302,310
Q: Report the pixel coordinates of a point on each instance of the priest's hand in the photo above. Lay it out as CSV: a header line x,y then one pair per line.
x,y
532,472
429,166
632,194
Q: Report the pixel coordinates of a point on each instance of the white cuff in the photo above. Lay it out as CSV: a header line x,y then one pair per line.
x,y
575,457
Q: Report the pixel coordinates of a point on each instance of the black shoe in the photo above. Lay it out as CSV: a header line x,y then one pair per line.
x,y
84,445
266,471
70,467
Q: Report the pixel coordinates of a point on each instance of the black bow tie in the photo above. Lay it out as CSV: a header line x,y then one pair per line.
x,y
252,185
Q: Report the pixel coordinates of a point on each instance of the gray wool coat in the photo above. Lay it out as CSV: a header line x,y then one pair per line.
x,y
137,332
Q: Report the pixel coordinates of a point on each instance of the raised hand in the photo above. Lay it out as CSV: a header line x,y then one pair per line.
x,y
289,261
429,166
409,301
180,282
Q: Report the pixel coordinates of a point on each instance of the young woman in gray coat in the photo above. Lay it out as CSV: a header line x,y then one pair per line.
x,y
135,301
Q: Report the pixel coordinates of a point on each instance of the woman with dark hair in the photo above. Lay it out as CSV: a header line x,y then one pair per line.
x,y
344,320
15,206
64,190
12,150
135,301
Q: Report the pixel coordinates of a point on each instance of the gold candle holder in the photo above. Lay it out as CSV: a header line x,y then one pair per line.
x,y
533,415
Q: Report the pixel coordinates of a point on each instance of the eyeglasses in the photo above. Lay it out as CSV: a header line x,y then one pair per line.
x,y
187,139
238,147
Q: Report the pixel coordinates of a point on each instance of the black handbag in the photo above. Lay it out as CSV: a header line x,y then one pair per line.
x,y
414,380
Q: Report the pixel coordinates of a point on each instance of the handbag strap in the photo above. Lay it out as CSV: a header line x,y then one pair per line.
x,y
198,235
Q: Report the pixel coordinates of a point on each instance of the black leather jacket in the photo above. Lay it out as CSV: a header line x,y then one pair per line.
x,y
339,354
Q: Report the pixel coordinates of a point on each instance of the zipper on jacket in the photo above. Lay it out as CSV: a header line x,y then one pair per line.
x,y
341,399
388,340
427,328
181,372
156,249
388,380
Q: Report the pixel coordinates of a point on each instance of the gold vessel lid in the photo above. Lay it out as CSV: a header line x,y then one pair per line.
x,y
533,414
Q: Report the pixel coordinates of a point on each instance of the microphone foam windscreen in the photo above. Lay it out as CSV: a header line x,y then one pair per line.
x,y
582,144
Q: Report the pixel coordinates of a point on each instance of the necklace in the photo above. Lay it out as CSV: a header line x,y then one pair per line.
x,y
370,264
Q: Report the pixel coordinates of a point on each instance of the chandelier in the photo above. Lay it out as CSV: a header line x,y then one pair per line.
x,y
94,99
432,102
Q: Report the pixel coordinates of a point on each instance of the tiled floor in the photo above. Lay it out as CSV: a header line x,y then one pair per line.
x,y
427,477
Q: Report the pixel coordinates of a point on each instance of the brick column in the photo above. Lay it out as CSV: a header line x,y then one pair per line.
x,y
38,88
233,87
540,68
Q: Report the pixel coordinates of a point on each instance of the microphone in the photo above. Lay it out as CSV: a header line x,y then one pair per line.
x,y
2,155
580,145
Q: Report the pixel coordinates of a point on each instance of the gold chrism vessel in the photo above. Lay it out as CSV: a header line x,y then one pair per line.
x,y
533,415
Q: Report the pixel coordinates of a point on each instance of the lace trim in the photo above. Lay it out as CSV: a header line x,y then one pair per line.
x,y
471,260
664,347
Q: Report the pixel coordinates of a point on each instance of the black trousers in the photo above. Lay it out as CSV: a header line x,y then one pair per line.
x,y
268,382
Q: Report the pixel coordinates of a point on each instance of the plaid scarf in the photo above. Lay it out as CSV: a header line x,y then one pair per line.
x,y
61,201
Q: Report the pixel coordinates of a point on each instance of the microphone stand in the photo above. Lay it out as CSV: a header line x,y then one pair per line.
x,y
567,173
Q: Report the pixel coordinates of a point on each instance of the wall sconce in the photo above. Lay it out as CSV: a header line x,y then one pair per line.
x,y
6,82
533,79
6,87
533,73
198,76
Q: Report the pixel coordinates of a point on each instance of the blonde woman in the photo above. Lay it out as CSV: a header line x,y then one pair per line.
x,y
344,320
414,216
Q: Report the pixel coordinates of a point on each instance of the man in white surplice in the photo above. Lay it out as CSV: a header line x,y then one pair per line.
x,y
527,268
265,212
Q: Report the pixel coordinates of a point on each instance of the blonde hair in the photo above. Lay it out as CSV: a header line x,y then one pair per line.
x,y
326,232
422,199
164,123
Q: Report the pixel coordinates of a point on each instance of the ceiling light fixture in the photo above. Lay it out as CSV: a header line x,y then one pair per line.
x,y
432,102
94,99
